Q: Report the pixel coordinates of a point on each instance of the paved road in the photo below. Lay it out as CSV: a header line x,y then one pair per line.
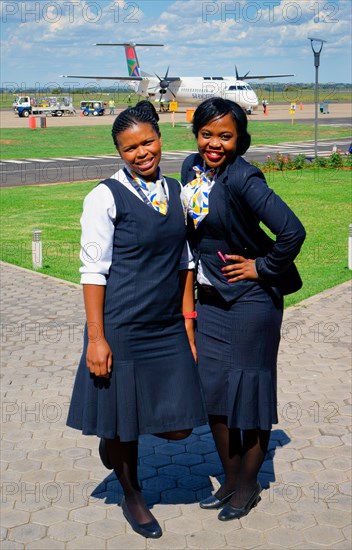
x,y
53,170
57,495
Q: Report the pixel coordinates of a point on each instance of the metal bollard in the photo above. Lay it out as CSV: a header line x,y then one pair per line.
x,y
350,248
37,249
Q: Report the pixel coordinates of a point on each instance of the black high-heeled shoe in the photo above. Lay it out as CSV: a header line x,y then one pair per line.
x,y
229,512
150,530
104,455
213,503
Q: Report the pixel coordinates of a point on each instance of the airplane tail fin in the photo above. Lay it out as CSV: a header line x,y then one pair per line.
x,y
132,61
131,57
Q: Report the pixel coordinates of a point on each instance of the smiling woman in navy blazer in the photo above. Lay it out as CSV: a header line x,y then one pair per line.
x,y
242,275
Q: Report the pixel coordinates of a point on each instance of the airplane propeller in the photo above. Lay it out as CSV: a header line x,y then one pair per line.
x,y
164,84
238,77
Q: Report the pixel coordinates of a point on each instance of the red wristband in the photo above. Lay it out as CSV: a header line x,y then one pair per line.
x,y
191,315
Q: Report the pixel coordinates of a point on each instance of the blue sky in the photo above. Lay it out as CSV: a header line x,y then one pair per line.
x,y
40,40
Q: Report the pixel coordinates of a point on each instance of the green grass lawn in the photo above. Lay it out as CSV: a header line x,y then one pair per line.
x,y
96,140
321,199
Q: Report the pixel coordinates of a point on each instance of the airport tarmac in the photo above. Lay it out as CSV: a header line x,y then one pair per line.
x,y
339,112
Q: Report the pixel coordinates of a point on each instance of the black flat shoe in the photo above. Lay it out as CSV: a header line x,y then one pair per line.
x,y
213,503
229,512
104,455
150,530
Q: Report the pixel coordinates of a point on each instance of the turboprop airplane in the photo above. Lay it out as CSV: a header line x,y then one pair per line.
x,y
184,89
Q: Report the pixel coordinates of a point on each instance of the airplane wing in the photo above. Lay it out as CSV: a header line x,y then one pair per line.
x,y
260,76
127,78
264,76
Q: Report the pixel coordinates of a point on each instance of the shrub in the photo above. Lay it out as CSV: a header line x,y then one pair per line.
x,y
335,160
320,162
299,162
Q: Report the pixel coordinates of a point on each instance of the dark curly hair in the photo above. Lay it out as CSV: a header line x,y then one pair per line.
x,y
216,107
143,112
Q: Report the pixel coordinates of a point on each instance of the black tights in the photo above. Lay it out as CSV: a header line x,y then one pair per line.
x,y
124,459
241,456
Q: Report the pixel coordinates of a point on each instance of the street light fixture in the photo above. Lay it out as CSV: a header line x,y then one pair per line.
x,y
316,65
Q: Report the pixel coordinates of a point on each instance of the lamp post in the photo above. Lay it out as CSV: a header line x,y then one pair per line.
x,y
316,65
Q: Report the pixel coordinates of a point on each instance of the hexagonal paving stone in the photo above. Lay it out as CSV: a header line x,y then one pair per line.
x,y
171,449
86,543
337,463
207,469
296,478
307,465
323,534
12,518
177,496
174,470
49,516
75,452
58,464
88,514
201,447
285,538
347,533
156,460
27,533
38,476
45,544
72,476
327,441
183,525
187,459
144,450
316,453
244,538
205,539
259,520
297,520
88,463
193,482
67,530
160,483
331,476
337,518
132,541
212,457
106,528
166,511
340,502
25,465
145,472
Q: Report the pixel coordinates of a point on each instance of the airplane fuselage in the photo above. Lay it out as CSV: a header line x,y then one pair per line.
x,y
193,90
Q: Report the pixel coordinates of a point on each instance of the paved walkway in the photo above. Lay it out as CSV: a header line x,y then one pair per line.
x,y
56,493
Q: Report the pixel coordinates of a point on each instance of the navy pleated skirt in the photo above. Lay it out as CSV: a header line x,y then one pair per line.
x,y
237,347
154,386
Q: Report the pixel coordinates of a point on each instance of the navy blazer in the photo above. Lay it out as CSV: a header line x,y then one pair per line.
x,y
247,201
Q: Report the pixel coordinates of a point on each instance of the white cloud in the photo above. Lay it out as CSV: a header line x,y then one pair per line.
x,y
200,37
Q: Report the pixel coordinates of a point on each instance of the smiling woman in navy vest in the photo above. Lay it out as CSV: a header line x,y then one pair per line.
x,y
137,373
242,275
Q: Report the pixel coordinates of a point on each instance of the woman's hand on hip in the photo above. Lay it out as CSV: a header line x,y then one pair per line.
x,y
241,268
99,358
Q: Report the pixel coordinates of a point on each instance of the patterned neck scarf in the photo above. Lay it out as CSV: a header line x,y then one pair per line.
x,y
196,193
152,192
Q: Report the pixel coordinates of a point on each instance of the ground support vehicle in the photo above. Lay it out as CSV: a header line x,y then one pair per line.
x,y
54,106
95,108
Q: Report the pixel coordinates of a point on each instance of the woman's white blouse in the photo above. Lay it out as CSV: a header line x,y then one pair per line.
x,y
97,222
